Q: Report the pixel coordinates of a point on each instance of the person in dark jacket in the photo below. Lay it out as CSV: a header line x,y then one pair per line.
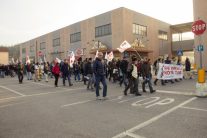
x,y
56,72
188,68
89,73
77,70
20,70
66,72
99,71
123,68
28,71
147,75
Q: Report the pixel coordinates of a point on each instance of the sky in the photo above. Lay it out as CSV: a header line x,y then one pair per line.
x,y
22,20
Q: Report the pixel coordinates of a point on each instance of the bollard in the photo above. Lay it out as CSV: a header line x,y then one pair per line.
x,y
201,76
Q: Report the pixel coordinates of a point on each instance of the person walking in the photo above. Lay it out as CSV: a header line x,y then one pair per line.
x,y
46,70
188,69
133,78
89,74
28,71
20,69
56,72
123,68
65,69
147,75
99,71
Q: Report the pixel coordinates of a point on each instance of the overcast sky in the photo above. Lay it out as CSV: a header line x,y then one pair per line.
x,y
22,20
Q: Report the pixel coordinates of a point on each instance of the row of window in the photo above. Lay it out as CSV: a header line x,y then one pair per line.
x,y
104,30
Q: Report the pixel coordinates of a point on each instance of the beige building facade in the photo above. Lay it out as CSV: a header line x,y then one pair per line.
x,y
105,32
4,56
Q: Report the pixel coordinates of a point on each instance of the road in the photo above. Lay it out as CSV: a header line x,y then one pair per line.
x,y
39,110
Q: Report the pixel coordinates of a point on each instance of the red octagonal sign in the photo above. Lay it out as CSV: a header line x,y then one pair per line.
x,y
198,27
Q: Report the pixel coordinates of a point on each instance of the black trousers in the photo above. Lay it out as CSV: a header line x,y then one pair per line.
x,y
133,85
20,77
56,79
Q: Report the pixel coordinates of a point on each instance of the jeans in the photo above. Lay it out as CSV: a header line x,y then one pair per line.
x,y
124,79
77,74
147,80
90,81
68,77
101,78
29,75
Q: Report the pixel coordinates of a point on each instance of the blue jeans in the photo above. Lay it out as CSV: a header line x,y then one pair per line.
x,y
68,77
101,79
77,74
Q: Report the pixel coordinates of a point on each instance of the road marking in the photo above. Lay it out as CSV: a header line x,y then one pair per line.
x,y
176,92
11,98
150,121
31,95
136,103
118,98
54,92
131,99
198,109
134,135
162,102
16,92
10,104
82,102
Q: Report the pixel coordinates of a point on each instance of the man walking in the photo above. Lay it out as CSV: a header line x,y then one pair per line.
x,y
66,73
89,73
99,71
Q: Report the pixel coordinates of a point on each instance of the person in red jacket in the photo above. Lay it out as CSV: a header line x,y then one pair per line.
x,y
56,72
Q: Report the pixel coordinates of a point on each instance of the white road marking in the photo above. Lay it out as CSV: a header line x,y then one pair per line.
x,y
134,135
9,98
162,102
150,121
31,95
130,99
16,92
10,105
198,109
82,102
118,98
54,92
136,103
175,92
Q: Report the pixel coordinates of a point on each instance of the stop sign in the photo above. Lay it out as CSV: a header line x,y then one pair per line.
x,y
198,27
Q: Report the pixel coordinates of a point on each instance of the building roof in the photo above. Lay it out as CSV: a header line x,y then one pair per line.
x,y
4,49
181,28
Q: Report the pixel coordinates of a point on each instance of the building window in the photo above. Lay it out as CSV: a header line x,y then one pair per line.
x,y
42,45
56,42
139,29
23,50
75,37
103,30
32,48
162,35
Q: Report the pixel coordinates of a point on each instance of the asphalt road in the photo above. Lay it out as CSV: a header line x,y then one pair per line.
x,y
39,110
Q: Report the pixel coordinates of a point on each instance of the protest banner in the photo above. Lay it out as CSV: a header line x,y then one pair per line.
x,y
169,71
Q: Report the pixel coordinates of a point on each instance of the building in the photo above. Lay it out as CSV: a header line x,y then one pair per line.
x,y
149,36
4,54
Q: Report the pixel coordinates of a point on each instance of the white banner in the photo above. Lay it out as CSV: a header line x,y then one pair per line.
x,y
169,71
124,46
72,59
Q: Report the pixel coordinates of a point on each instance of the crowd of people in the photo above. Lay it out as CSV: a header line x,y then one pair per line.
x,y
129,72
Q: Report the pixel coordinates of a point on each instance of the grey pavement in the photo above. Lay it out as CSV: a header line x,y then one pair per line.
x,y
39,110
